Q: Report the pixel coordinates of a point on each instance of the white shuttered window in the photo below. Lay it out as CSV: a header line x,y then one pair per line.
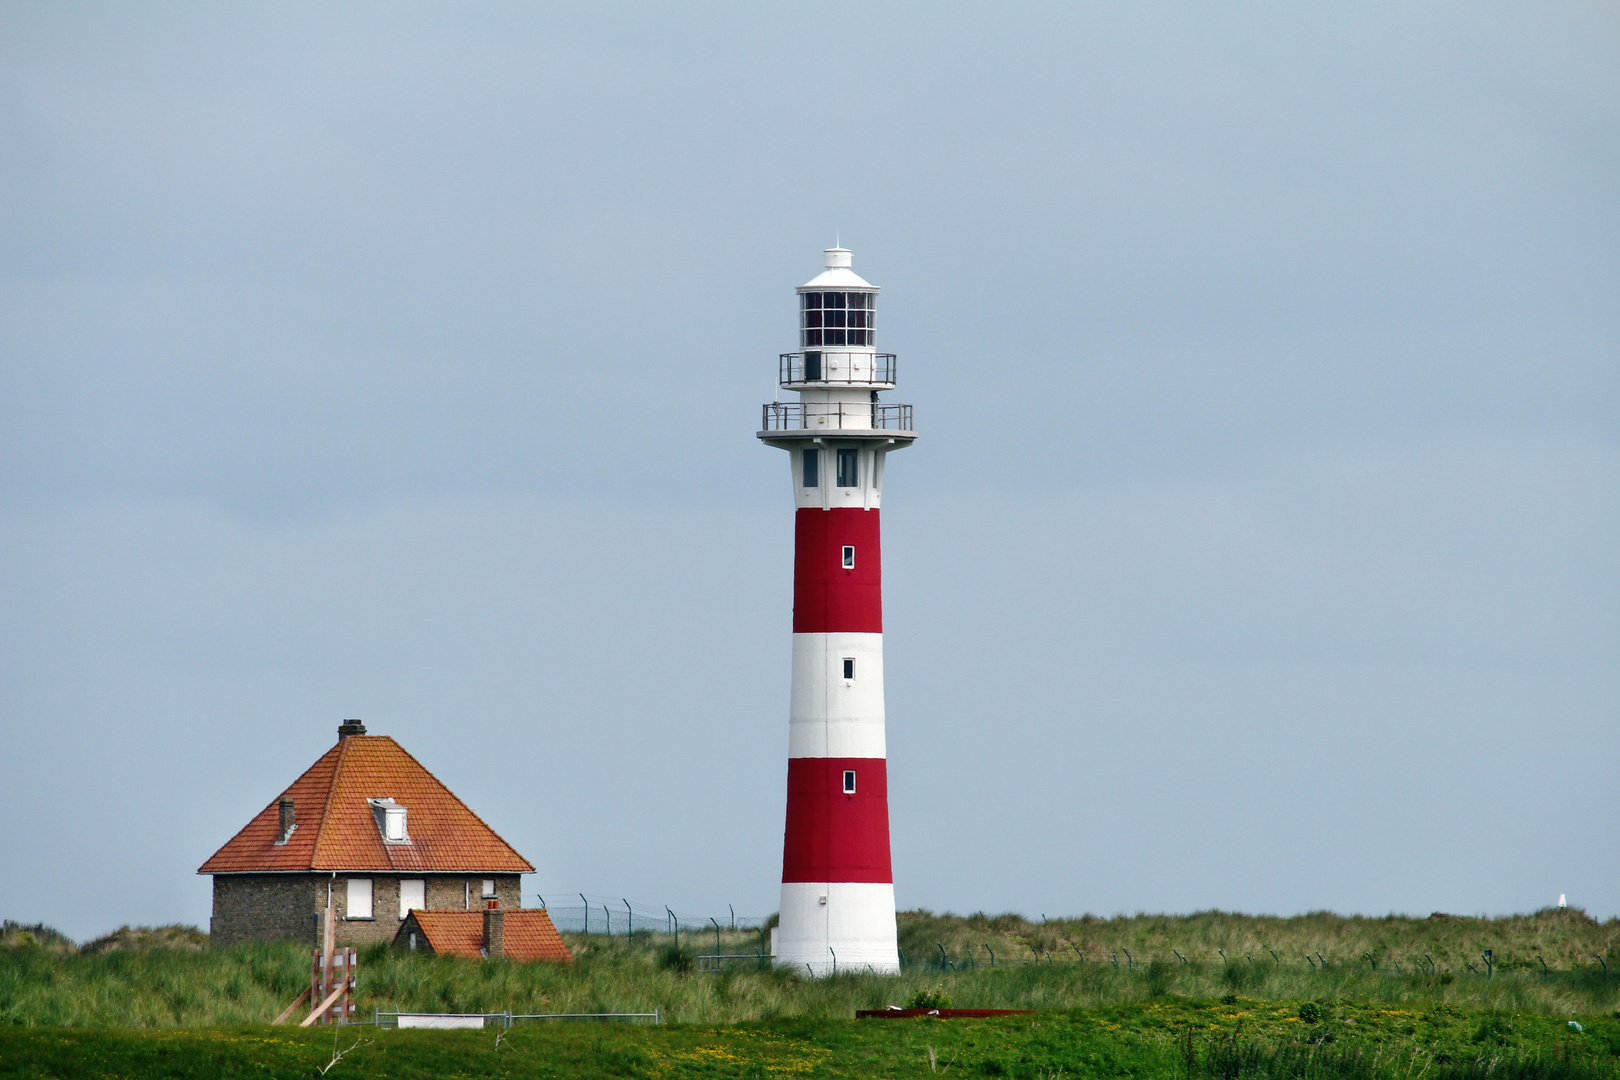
x,y
359,905
412,894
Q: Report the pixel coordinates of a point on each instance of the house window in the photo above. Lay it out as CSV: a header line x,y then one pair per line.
x,y
489,888
849,468
849,556
837,318
412,896
849,781
812,468
359,900
849,667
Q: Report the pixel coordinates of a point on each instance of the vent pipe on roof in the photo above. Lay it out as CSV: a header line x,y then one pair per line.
x,y
351,727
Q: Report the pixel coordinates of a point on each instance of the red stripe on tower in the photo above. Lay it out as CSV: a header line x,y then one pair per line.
x,y
837,572
838,820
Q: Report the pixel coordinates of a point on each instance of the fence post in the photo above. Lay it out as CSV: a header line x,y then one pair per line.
x,y
716,943
587,904
630,919
733,917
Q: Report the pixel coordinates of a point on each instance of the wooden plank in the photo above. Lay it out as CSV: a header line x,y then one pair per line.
x,y
299,1000
323,1006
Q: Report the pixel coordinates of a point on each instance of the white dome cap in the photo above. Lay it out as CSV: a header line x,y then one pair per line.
x,y
838,274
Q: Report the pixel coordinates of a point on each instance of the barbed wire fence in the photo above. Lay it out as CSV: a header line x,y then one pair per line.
x,y
588,913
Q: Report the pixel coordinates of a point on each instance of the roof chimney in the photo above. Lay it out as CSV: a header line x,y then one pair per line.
x,y
289,820
351,727
494,931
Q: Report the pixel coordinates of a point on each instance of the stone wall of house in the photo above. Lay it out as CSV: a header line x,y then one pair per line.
x,y
270,907
265,907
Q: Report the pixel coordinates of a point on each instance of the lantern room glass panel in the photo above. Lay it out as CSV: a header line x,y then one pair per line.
x,y
837,318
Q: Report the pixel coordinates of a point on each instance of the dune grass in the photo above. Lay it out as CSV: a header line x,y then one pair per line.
x,y
1566,939
1059,965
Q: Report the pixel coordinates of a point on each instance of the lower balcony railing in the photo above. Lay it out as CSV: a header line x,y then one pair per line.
x,y
835,416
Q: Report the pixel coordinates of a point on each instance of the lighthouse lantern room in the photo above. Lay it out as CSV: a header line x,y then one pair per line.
x,y
837,886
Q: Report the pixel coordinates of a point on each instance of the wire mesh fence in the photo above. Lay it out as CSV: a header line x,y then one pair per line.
x,y
583,913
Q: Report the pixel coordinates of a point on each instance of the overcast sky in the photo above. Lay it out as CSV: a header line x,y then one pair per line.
x,y
403,362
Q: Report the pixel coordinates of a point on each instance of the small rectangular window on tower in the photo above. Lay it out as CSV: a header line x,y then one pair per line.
x,y
849,556
812,468
849,781
849,667
849,468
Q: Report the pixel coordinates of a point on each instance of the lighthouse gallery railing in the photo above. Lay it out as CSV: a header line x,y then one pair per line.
x,y
838,368
835,416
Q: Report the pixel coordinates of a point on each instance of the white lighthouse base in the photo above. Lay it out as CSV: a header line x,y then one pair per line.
x,y
837,926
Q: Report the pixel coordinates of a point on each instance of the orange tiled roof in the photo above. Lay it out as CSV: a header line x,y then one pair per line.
x,y
528,935
337,830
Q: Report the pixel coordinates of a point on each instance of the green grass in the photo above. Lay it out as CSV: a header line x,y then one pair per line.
x,y
1172,1039
142,986
1170,1008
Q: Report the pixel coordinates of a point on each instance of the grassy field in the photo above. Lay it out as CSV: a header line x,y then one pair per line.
x,y
1172,1039
1210,996
145,984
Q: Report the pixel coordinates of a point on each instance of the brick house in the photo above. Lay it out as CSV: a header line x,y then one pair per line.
x,y
369,827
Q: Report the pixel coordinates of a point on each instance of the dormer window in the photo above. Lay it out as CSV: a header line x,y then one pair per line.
x,y
390,821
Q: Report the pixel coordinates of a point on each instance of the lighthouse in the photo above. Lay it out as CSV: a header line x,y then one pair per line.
x,y
837,885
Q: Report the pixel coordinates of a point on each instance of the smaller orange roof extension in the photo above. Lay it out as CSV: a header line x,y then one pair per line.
x,y
337,828
528,935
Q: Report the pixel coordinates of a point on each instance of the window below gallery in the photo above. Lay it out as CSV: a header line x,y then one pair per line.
x,y
849,468
849,556
849,781
811,469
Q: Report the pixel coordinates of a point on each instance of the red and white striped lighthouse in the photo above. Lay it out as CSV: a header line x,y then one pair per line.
x,y
837,887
